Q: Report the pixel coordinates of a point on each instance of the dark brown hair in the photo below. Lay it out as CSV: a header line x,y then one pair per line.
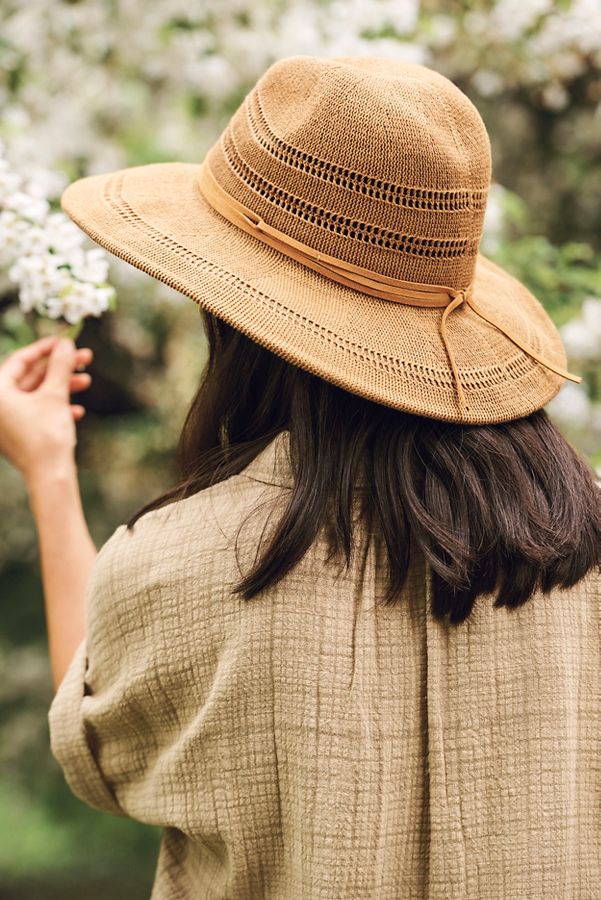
x,y
508,508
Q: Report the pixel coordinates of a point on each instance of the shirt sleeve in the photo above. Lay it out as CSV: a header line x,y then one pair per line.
x,y
70,740
102,722
121,719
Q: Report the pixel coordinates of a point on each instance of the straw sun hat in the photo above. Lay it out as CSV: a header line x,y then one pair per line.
x,y
337,222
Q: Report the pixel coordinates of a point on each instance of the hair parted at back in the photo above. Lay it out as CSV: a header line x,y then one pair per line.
x,y
506,508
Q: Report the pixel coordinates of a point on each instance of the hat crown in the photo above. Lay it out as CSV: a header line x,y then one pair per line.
x,y
377,162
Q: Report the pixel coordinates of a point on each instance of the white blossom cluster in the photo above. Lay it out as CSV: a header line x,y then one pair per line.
x,y
139,72
534,43
582,335
42,252
494,219
573,406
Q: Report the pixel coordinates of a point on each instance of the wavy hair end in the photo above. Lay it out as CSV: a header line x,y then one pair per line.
x,y
505,509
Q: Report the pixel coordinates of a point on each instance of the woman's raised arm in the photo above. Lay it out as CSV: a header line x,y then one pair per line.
x,y
38,436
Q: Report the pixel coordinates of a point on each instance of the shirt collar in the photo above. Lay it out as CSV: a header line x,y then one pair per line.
x,y
273,464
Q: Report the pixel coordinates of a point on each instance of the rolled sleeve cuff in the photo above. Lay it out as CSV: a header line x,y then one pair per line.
x,y
69,743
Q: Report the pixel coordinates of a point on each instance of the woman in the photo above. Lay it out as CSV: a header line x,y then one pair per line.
x,y
355,652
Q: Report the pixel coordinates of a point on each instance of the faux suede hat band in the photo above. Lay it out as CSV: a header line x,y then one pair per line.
x,y
337,222
381,286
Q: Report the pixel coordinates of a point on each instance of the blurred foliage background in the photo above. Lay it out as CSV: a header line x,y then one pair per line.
x,y
93,85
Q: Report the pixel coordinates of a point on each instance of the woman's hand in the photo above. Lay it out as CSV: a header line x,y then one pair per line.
x,y
37,420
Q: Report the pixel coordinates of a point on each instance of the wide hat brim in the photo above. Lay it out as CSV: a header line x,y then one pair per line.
x,y
155,217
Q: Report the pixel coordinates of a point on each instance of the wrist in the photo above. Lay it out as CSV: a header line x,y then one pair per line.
x,y
48,479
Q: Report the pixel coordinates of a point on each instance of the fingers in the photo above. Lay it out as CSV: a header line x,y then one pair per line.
x,y
80,382
77,411
83,357
60,367
25,368
35,375
37,349
18,363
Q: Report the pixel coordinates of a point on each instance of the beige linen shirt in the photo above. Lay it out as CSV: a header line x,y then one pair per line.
x,y
312,745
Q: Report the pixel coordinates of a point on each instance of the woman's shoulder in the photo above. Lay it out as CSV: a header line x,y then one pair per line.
x,y
207,515
186,544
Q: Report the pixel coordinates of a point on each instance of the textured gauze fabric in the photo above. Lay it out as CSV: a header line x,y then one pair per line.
x,y
311,744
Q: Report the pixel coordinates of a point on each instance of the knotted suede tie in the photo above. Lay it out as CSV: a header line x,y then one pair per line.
x,y
364,280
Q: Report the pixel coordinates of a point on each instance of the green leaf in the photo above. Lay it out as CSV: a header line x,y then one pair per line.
x,y
72,331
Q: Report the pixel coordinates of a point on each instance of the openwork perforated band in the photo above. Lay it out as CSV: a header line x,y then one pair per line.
x,y
368,282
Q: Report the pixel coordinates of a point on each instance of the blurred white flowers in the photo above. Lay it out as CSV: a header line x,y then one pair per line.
x,y
43,253
573,406
494,219
582,335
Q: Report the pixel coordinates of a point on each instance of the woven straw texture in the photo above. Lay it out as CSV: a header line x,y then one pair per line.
x,y
379,163
312,745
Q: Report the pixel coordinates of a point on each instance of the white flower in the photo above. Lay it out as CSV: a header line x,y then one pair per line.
x,y
555,96
12,237
571,406
43,182
10,182
81,300
35,240
91,265
591,316
487,82
512,18
66,236
32,208
582,335
443,29
54,307
494,219
44,254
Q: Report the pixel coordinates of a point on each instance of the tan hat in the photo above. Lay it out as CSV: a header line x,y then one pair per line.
x,y
337,222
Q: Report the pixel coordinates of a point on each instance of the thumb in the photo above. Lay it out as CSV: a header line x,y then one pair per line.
x,y
60,366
